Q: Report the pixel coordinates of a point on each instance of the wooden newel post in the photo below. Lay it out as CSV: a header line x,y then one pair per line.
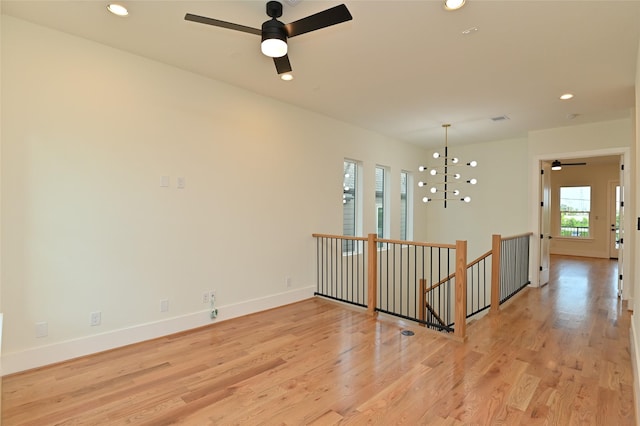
x,y
496,246
372,274
461,290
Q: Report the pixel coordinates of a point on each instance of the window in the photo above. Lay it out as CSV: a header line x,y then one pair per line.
x,y
350,203
405,206
575,209
381,203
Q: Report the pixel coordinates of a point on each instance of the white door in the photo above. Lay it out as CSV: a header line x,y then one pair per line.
x,y
614,219
545,221
621,216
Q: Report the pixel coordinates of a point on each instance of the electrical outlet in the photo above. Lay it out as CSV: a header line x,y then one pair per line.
x,y
96,318
42,329
205,297
164,305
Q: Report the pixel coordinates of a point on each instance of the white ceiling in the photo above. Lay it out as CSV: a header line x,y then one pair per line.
x,y
400,68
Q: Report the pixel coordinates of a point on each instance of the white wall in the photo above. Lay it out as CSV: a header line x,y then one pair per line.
x,y
87,133
599,178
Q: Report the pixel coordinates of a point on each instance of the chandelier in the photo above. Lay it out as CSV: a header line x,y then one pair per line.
x,y
445,181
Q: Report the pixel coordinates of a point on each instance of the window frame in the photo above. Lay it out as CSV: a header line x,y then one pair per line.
x,y
382,202
406,206
577,233
352,186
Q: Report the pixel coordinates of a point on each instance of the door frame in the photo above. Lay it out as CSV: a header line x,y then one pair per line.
x,y
534,207
611,216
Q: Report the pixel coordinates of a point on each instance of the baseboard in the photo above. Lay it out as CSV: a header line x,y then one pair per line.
x,y
15,362
635,363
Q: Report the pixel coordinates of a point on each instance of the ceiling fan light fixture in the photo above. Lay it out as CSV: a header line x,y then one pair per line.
x,y
274,47
556,165
274,39
453,4
286,76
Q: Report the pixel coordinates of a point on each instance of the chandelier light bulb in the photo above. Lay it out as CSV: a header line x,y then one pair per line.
x,y
467,199
436,155
456,192
472,163
433,189
346,175
472,181
422,168
433,172
421,184
426,199
456,176
346,188
454,160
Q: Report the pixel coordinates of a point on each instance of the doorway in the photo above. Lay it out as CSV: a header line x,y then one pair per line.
x,y
540,271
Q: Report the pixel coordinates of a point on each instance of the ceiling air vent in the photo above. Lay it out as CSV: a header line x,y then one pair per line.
x,y
500,118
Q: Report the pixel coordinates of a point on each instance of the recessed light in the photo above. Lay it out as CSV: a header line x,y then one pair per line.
x,y
286,77
453,4
566,96
117,9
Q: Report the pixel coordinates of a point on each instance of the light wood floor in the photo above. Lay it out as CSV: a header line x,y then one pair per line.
x,y
557,356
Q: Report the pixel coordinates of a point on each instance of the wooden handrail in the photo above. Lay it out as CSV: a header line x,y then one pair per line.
x,y
513,237
480,259
442,281
416,243
451,276
384,240
339,237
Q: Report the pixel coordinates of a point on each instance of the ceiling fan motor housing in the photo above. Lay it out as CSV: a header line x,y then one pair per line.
x,y
273,29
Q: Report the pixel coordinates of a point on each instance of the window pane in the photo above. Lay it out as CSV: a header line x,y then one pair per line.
x,y
404,208
575,209
349,202
380,201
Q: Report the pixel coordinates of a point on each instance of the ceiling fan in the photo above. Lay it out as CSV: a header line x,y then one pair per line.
x,y
275,33
557,165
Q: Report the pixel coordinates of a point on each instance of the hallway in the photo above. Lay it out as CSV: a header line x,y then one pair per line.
x,y
558,355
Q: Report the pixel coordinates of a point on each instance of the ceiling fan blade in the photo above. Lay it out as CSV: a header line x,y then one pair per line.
x,y
574,164
223,24
282,64
327,18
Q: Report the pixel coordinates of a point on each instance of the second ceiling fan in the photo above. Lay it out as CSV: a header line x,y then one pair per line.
x,y
557,165
275,33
